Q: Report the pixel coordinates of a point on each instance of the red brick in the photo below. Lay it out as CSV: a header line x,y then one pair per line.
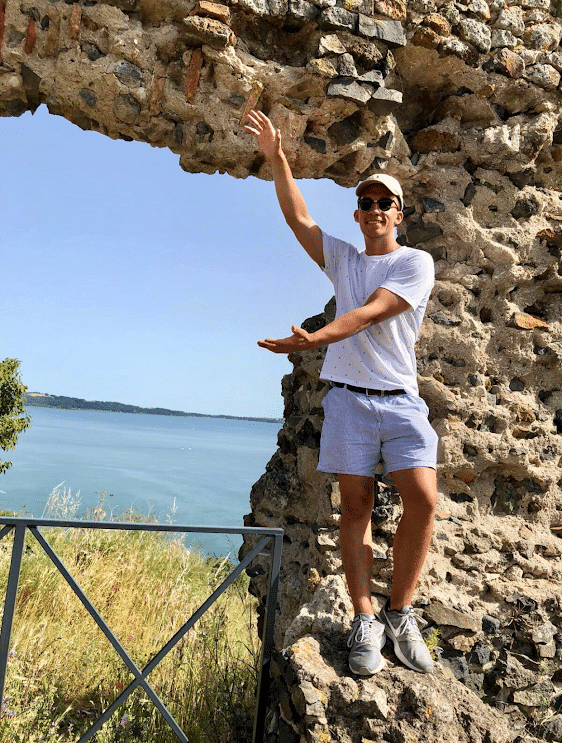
x,y
251,100
212,10
523,321
31,37
193,75
2,16
75,21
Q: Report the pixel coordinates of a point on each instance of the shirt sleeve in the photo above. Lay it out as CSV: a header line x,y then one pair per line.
x,y
412,278
334,251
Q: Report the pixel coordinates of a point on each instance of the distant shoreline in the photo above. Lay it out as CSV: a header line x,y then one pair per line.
x,y
41,400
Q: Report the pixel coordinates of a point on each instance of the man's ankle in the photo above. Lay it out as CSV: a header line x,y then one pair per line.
x,y
362,609
397,605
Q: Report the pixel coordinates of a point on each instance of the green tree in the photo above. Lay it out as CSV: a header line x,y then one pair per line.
x,y
13,417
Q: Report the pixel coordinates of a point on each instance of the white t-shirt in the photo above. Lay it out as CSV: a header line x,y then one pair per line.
x,y
382,356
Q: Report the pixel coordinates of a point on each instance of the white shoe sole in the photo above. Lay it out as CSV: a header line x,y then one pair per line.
x,y
365,671
400,655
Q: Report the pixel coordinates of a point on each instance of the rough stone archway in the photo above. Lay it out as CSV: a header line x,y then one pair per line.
x,y
461,101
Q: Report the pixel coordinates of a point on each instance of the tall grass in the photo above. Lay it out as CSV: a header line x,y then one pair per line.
x,y
62,671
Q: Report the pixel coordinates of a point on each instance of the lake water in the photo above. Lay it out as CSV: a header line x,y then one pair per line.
x,y
205,466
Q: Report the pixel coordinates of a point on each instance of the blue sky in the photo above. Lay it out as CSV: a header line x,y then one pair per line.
x,y
126,279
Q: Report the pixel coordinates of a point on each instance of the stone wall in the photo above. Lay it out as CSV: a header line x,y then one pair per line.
x,y
490,589
462,103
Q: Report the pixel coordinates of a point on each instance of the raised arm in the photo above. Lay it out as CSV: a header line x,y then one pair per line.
x,y
381,305
290,198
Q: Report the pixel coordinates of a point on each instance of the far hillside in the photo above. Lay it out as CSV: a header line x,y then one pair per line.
x,y
42,400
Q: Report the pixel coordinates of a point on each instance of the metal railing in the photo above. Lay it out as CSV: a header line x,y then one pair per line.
x,y
266,537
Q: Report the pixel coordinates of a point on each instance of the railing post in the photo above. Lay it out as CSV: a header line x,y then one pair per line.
x,y
268,639
10,603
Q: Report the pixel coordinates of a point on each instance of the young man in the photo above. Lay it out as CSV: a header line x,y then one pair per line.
x,y
373,410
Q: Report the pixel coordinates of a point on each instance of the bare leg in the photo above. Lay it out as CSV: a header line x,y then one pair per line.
x,y
418,491
356,540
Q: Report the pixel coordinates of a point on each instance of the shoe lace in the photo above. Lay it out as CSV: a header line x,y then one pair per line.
x,y
362,632
409,626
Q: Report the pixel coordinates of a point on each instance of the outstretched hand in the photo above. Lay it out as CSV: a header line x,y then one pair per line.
x,y
262,129
299,341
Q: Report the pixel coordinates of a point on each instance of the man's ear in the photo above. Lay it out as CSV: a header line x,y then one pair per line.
x,y
356,215
399,217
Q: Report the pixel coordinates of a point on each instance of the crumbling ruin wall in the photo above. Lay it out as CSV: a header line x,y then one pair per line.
x,y
462,102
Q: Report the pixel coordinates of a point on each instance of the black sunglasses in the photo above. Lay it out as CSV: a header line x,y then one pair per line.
x,y
366,203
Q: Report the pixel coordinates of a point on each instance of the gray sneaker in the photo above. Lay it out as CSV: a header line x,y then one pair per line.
x,y
403,628
366,640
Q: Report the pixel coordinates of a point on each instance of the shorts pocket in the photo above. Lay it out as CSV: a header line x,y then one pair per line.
x,y
326,399
419,403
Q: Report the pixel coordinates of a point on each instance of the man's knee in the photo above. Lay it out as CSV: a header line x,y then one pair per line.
x,y
421,504
355,514
418,491
425,502
357,498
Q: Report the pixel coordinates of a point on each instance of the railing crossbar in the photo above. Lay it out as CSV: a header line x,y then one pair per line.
x,y
5,530
139,526
120,650
170,644
204,606
267,536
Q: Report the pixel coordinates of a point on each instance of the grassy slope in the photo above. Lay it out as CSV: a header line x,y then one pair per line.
x,y
62,672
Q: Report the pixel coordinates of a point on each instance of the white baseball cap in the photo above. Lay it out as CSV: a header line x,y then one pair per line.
x,y
387,181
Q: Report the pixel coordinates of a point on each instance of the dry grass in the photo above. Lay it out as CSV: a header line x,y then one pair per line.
x,y
62,671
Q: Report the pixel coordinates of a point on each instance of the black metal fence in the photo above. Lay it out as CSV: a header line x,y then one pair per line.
x,y
267,539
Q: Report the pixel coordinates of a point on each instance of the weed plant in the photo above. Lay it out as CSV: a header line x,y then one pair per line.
x,y
62,671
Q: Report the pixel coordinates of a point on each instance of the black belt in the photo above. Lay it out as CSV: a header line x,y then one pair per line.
x,y
367,390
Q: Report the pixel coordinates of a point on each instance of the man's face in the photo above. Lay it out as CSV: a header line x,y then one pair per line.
x,y
377,223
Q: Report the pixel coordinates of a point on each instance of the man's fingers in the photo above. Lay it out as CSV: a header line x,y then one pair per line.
x,y
256,119
253,125
272,346
262,122
300,333
258,115
253,119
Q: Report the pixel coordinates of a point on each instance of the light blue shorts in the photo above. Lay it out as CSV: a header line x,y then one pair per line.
x,y
359,431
